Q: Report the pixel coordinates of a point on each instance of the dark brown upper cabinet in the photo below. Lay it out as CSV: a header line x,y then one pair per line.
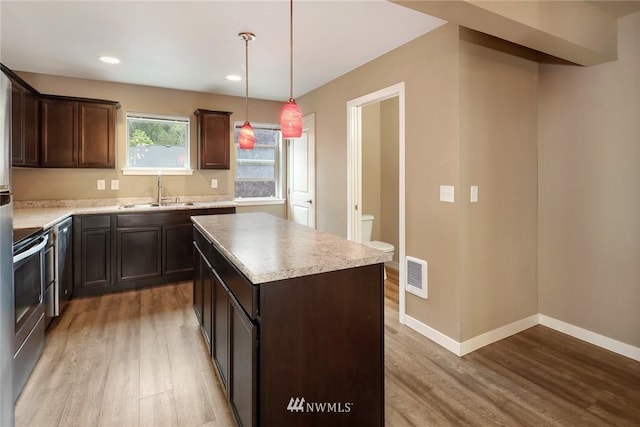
x,y
25,122
214,142
78,133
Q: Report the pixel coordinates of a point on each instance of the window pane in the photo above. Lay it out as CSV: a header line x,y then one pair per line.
x,y
255,189
257,169
257,153
157,142
260,172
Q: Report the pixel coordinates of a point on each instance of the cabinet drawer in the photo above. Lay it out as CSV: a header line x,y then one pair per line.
x,y
241,288
203,245
95,221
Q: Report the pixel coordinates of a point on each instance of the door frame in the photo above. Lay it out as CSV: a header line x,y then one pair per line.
x,y
354,173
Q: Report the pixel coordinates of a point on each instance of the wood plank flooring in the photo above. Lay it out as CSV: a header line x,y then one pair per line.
x,y
138,359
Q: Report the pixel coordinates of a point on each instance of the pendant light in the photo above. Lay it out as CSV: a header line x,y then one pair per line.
x,y
246,136
291,116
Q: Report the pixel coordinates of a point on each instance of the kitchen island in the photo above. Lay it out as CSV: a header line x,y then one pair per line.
x,y
293,319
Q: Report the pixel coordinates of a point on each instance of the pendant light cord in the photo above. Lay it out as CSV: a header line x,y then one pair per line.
x,y
246,79
291,50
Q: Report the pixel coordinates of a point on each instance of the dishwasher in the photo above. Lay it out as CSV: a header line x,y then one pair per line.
x,y
58,274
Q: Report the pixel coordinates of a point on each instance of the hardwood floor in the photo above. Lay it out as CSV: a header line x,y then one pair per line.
x,y
138,359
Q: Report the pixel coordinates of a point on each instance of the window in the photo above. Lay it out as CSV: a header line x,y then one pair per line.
x,y
157,143
258,170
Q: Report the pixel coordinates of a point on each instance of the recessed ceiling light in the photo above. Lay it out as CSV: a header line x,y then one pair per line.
x,y
109,59
234,77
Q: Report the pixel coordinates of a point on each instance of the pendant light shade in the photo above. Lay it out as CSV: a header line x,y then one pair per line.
x,y
246,136
291,120
291,116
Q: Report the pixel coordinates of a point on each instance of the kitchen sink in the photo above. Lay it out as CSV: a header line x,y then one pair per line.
x,y
157,205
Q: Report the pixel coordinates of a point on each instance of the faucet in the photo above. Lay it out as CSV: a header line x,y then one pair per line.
x,y
159,188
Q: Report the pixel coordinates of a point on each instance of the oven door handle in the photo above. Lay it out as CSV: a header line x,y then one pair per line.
x,y
19,257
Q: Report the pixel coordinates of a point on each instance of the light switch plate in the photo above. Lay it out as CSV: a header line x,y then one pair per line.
x,y
474,194
447,193
101,184
214,183
115,184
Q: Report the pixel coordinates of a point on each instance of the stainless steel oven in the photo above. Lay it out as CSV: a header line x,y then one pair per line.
x,y
28,284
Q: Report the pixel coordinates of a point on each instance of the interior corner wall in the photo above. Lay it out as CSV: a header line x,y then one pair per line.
x,y
589,180
428,66
371,166
498,153
389,174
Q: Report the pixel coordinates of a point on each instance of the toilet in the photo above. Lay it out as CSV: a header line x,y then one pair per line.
x,y
367,228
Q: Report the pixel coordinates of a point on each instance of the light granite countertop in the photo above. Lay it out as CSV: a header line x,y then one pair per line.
x,y
46,217
266,248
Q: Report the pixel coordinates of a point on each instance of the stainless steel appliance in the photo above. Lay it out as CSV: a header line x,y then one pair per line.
x,y
6,259
58,273
28,289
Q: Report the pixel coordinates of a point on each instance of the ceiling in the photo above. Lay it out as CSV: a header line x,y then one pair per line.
x,y
194,45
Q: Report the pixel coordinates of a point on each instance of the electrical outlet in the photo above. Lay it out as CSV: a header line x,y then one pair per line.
x,y
115,184
447,193
474,194
214,183
101,184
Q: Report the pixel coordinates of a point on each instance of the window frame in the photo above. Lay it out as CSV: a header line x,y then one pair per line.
x,y
133,170
278,167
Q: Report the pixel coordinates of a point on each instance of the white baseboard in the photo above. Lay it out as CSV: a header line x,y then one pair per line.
x,y
591,337
495,335
473,344
434,335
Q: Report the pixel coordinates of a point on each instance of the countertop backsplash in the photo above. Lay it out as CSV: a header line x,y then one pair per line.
x,y
86,203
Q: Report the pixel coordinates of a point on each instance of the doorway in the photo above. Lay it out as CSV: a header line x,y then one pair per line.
x,y
355,173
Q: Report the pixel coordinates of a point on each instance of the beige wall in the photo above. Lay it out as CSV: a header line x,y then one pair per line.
x,y
589,185
498,139
380,175
389,175
45,184
429,67
371,166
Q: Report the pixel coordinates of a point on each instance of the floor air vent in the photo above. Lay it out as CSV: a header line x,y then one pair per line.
x,y
417,277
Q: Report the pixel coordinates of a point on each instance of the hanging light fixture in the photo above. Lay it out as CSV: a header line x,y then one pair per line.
x,y
246,136
291,116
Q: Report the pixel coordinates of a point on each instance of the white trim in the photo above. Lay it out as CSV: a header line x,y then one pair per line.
x,y
354,174
495,335
498,334
154,172
591,337
258,201
433,334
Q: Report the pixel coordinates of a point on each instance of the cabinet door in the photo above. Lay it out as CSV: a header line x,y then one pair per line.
x,y
213,139
96,143
177,248
96,258
31,129
243,361
220,348
207,305
17,117
198,277
59,133
138,253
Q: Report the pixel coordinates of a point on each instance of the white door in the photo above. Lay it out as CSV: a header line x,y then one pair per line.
x,y
301,175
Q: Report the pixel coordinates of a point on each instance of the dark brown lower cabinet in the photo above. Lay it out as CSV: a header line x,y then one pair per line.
x,y
130,250
305,351
92,264
220,347
138,253
243,352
